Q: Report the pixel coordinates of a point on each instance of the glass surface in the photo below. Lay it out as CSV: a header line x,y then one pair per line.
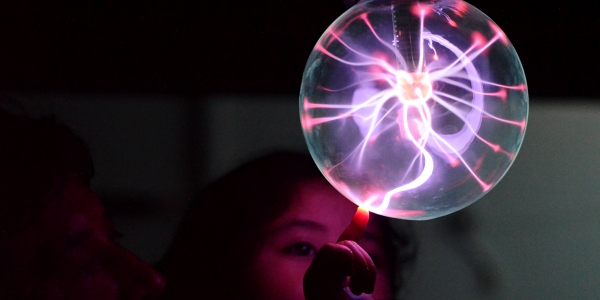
x,y
413,110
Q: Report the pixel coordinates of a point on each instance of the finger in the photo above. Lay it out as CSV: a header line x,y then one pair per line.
x,y
359,265
333,259
327,273
370,271
362,277
351,296
356,228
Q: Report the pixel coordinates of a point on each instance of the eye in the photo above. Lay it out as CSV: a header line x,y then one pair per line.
x,y
300,249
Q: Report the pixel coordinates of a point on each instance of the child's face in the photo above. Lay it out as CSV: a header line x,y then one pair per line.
x,y
317,215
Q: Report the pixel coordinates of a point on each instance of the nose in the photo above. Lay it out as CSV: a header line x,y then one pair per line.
x,y
136,280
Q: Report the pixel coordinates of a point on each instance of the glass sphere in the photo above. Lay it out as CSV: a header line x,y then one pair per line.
x,y
412,109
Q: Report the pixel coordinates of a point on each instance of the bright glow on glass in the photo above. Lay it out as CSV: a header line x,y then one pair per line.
x,y
412,109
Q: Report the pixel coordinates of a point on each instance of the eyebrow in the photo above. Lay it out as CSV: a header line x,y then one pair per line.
x,y
306,224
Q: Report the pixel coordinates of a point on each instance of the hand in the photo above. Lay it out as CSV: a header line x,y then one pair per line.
x,y
342,270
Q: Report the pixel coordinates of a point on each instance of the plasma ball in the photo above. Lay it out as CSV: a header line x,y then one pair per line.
x,y
413,110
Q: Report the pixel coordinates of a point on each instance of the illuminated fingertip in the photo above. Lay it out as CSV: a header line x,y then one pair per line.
x,y
362,210
357,226
361,217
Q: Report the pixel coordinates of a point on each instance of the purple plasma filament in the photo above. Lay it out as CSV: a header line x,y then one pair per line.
x,y
408,119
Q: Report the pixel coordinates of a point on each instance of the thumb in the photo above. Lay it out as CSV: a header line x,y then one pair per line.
x,y
356,228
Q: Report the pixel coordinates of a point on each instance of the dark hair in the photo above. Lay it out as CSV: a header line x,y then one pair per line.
x,y
218,235
35,156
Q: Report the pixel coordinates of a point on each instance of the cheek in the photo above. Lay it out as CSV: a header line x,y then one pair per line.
x,y
88,283
82,273
100,285
276,276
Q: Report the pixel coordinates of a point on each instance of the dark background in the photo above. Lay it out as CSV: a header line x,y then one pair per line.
x,y
248,47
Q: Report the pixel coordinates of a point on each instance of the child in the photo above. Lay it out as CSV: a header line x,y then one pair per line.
x,y
253,235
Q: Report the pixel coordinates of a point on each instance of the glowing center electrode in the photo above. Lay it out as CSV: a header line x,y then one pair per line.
x,y
414,88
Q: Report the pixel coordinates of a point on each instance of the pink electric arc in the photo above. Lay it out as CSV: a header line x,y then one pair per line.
x,y
413,109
